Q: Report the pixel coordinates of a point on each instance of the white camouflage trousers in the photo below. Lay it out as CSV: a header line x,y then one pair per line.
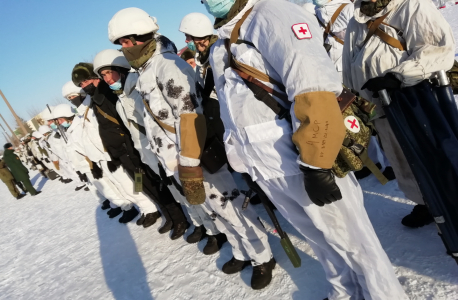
x,y
342,237
244,231
125,186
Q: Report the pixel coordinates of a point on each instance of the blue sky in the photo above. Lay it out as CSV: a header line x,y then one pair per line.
x,y
43,39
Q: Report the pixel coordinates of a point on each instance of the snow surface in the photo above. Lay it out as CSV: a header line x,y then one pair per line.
x,y
61,245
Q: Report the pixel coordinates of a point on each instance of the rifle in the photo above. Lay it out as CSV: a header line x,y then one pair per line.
x,y
284,239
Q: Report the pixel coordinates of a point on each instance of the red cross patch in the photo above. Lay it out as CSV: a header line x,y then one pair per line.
x,y
302,31
352,124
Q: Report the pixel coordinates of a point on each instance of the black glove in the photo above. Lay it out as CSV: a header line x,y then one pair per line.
x,y
387,82
320,185
83,177
47,160
96,171
112,166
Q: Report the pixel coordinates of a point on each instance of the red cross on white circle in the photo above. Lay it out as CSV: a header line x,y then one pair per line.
x,y
302,31
352,124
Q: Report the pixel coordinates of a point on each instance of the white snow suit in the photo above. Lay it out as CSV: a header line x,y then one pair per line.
x,y
168,85
122,186
130,108
430,48
289,48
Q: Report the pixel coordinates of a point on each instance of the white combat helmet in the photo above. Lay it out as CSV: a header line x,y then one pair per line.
x,y
46,115
130,21
196,24
43,129
70,89
110,57
310,7
63,111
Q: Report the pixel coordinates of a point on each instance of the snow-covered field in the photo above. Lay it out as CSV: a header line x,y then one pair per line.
x,y
61,245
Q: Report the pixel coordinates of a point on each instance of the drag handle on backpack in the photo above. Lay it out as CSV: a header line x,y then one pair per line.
x,y
384,97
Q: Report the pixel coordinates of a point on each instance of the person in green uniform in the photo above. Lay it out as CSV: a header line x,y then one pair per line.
x,y
18,170
8,179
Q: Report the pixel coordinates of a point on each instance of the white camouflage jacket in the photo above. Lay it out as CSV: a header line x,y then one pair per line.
x,y
256,141
429,42
130,108
167,83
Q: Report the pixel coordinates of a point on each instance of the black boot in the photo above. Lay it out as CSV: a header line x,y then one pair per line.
x,y
262,275
141,220
166,227
20,196
86,189
114,212
105,205
128,215
214,243
234,266
419,217
198,234
179,229
38,192
150,219
389,173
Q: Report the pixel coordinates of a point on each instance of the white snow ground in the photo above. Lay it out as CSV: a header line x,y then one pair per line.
x,y
60,245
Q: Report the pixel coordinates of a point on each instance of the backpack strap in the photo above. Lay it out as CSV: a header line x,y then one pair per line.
x,y
107,116
137,126
161,124
253,77
327,28
235,64
374,28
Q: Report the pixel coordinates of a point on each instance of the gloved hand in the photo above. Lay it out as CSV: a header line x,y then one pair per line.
x,y
83,177
387,82
192,182
320,185
112,166
96,171
47,160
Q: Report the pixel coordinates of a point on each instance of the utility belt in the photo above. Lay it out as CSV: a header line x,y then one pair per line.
x,y
213,156
356,113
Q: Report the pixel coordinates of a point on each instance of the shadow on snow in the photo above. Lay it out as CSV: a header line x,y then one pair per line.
x,y
123,268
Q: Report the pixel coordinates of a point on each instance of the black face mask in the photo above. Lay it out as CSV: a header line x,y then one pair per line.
x,y
90,89
77,101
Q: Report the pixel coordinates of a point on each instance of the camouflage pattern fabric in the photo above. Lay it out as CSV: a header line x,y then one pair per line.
x,y
348,159
372,8
453,77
